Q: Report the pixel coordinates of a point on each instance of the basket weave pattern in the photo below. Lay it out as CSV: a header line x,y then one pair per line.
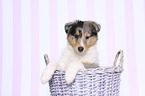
x,y
89,82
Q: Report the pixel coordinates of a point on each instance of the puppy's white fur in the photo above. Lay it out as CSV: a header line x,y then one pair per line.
x,y
72,63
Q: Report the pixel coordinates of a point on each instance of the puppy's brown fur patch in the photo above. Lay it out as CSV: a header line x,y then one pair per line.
x,y
78,33
90,42
75,43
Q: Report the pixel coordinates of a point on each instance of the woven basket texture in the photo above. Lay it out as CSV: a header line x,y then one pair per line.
x,y
89,82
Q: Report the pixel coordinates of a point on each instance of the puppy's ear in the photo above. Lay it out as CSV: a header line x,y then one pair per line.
x,y
95,25
68,26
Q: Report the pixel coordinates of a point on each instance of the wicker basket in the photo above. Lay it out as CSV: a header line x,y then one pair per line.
x,y
89,82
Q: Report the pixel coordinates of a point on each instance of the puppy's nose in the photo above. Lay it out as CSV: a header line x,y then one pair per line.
x,y
80,48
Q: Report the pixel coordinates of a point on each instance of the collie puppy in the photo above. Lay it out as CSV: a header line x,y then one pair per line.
x,y
81,52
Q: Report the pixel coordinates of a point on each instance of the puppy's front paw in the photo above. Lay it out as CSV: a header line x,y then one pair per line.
x,y
69,77
72,70
45,76
48,72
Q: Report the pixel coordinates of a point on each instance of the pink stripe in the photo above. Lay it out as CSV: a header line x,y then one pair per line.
x,y
35,64
1,38
110,31
71,10
53,30
131,60
90,9
17,48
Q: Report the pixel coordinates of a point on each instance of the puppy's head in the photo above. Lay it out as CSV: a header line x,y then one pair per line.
x,y
81,35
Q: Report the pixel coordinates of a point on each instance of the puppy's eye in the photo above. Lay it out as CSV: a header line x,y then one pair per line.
x,y
87,37
80,31
76,36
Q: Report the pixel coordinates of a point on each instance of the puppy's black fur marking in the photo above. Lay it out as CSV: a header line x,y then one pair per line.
x,y
76,36
75,26
71,28
94,34
80,33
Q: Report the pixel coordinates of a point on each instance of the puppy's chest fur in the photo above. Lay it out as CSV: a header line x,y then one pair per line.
x,y
89,59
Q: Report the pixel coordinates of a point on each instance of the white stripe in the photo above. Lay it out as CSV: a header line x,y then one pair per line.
x,y
81,10
82,44
139,21
102,38
44,27
26,48
7,67
120,42
62,20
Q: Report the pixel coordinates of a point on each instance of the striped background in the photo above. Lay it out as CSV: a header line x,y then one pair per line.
x,y
31,28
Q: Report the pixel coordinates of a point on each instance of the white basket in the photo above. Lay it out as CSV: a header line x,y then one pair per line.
x,y
89,82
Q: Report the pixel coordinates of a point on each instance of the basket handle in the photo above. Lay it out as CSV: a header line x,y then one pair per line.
x,y
121,55
46,59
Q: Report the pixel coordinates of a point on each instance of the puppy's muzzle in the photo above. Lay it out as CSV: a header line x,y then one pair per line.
x,y
80,49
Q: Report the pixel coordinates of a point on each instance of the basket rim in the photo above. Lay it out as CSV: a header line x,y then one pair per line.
x,y
99,70
115,68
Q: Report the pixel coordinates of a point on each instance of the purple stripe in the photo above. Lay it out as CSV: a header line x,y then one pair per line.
x,y
131,59
35,64
110,31
16,89
1,38
71,10
53,30
90,9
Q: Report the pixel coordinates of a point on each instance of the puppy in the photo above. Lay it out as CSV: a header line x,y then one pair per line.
x,y
80,53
